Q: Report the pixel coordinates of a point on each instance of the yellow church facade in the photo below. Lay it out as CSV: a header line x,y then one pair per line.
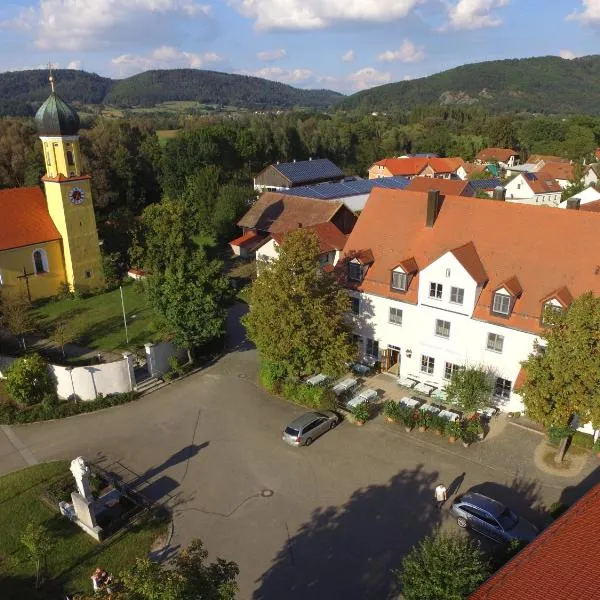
x,y
48,239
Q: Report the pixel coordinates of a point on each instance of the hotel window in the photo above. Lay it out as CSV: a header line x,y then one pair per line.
x,y
395,315
399,281
372,348
501,304
495,342
549,311
354,271
435,291
442,328
355,305
502,388
427,364
449,370
457,295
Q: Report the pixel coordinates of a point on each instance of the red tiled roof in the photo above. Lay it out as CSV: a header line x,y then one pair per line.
x,y
467,256
591,206
560,564
456,187
24,218
445,165
392,225
536,158
540,184
403,166
250,237
556,170
563,295
500,154
330,237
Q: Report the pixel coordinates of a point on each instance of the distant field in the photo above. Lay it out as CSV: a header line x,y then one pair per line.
x,y
166,134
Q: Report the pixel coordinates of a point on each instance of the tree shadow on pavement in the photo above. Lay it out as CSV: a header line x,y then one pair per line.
x,y
572,493
350,551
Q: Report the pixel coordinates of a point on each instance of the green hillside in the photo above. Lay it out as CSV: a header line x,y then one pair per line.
x,y
547,84
21,92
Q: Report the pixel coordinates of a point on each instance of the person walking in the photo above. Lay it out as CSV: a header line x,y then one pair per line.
x,y
440,495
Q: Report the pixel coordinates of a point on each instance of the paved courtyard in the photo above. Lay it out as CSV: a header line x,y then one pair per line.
x,y
329,521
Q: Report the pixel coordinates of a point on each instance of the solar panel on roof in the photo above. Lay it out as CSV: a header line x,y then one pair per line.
x,y
342,189
309,170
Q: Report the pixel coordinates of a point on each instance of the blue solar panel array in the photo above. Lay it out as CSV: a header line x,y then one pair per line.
x,y
485,184
309,170
342,189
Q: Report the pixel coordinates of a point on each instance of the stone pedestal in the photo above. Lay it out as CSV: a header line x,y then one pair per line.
x,y
84,515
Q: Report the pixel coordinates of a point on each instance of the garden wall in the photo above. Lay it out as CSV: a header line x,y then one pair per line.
x,y
157,357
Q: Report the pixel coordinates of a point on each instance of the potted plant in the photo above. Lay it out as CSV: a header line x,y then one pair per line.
x,y
453,430
467,434
438,424
424,420
392,412
361,413
407,416
475,425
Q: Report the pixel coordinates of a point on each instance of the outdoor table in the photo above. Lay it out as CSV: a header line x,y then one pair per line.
x,y
406,382
364,396
410,402
317,379
488,411
424,388
343,386
439,395
449,415
434,410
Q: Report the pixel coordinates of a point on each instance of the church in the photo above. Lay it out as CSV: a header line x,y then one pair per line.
x,y
49,238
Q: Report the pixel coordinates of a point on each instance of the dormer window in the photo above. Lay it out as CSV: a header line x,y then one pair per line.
x,y
501,304
399,281
549,310
354,271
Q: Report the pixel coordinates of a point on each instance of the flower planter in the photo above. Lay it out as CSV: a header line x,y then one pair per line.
x,y
390,420
437,432
422,428
452,439
359,423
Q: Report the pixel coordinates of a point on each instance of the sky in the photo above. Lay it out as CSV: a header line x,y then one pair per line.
x,y
345,45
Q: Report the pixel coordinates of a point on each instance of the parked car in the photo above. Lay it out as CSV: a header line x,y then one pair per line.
x,y
491,518
304,430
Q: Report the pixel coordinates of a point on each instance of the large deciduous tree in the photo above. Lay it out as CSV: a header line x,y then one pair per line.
x,y
442,567
470,387
562,378
28,380
297,315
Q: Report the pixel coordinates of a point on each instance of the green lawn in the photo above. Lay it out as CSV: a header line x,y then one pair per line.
x,y
75,554
99,319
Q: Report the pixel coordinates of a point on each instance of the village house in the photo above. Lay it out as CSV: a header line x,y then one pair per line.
x,y
562,172
285,175
412,167
456,187
442,281
591,174
506,157
532,188
585,197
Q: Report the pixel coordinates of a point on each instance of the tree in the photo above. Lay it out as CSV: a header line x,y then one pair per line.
x,y
190,298
28,380
38,542
64,333
470,387
442,567
562,375
16,317
297,315
502,133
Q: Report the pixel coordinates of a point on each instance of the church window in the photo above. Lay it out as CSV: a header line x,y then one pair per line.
x,y
40,261
88,274
70,160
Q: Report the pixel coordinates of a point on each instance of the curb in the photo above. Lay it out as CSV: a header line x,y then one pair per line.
x,y
526,427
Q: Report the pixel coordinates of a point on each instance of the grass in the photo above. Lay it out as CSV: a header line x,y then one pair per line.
x,y
75,554
98,320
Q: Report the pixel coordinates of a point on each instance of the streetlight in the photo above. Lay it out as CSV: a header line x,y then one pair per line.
x,y
124,315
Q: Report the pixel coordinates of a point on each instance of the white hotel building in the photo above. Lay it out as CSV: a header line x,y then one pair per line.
x,y
438,281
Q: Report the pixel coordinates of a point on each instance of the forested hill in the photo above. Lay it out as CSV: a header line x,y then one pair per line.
x,y
21,92
547,84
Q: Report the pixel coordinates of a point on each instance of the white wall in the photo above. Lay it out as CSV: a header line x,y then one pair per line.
x,y
157,357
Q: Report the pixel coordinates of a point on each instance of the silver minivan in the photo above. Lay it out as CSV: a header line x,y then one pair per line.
x,y
304,430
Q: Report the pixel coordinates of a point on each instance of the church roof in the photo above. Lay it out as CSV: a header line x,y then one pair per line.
x,y
56,117
25,218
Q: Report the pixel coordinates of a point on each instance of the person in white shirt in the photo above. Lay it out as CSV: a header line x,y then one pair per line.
x,y
440,495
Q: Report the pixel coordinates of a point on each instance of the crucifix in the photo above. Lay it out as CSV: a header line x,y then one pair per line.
x,y
26,277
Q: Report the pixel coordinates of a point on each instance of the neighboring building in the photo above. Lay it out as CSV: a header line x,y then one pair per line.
x,y
506,157
562,172
486,186
49,238
275,212
440,281
559,564
352,192
525,168
456,187
283,176
530,188
591,174
586,196
413,167
538,159
331,244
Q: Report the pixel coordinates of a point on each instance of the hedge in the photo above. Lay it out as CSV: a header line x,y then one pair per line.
x,y
11,413
311,396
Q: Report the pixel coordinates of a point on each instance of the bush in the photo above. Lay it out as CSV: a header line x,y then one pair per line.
x,y
584,440
468,433
175,369
558,432
453,429
408,416
271,375
596,446
392,410
438,423
311,396
557,509
424,418
28,380
361,412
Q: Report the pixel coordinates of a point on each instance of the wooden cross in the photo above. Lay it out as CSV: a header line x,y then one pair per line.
x,y
26,277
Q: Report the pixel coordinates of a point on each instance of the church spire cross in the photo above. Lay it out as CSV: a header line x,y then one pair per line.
x,y
51,77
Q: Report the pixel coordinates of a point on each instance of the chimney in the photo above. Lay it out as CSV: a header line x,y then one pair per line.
x,y
573,203
499,193
433,207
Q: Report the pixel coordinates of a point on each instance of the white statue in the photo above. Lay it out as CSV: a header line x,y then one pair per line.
x,y
81,471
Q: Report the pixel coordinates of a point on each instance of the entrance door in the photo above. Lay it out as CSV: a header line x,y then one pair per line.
x,y
394,360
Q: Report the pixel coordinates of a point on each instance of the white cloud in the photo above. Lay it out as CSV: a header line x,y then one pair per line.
x,y
164,57
407,53
348,56
100,24
568,54
407,78
368,77
474,14
317,14
74,64
291,76
272,55
590,15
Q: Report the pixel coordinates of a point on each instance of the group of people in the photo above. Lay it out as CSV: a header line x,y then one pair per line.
x,y
102,580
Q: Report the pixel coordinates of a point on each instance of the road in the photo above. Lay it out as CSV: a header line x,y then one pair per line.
x,y
329,521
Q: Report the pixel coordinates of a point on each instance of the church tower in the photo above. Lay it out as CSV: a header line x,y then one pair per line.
x,y
68,192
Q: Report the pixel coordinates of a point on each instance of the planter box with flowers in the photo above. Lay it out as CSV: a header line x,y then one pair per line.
x,y
392,412
423,420
453,430
361,413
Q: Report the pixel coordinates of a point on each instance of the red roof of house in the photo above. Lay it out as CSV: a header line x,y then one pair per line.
x,y
330,237
500,154
492,239
560,564
541,184
593,206
250,237
445,165
456,187
556,170
405,167
536,158
24,218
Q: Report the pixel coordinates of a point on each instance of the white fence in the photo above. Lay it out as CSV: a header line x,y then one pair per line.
x,y
157,357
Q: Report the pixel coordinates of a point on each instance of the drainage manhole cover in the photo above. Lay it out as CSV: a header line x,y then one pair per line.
x,y
267,493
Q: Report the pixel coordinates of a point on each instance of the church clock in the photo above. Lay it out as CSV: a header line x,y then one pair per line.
x,y
76,195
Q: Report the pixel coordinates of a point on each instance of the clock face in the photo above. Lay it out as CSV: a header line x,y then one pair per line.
x,y
76,195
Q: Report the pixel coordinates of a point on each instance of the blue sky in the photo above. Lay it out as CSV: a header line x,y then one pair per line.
x,y
345,45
